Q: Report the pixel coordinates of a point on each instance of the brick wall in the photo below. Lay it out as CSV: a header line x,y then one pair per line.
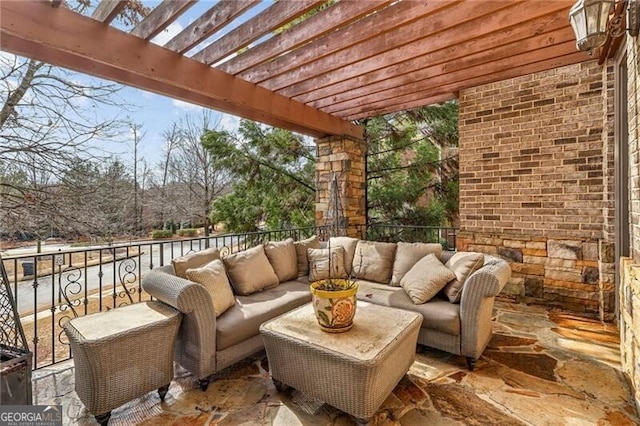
x,y
536,183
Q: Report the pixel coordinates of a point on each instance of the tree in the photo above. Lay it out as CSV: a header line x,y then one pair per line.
x,y
161,199
273,173
137,134
412,170
198,170
48,116
191,177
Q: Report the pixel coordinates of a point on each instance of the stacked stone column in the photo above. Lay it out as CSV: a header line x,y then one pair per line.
x,y
346,158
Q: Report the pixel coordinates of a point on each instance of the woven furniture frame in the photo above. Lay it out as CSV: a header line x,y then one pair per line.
x,y
357,385
115,368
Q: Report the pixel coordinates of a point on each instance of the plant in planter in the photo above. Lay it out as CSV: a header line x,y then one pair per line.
x,y
333,293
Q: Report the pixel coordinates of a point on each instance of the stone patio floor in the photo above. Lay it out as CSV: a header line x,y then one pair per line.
x,y
541,368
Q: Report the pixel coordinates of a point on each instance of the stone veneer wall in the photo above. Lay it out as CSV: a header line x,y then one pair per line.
x,y
346,157
629,291
536,184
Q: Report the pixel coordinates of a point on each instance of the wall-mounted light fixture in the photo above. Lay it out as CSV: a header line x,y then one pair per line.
x,y
592,20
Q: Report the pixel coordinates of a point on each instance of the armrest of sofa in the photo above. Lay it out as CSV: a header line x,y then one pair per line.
x,y
197,335
476,304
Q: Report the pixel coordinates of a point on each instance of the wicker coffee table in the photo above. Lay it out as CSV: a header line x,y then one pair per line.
x,y
353,371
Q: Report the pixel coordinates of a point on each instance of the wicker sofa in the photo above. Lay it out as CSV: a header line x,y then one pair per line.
x,y
209,341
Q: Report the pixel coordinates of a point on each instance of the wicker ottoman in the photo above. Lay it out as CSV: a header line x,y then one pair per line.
x,y
122,354
353,371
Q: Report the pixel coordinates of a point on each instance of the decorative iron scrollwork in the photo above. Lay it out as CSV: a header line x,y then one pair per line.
x,y
67,294
127,277
224,251
71,288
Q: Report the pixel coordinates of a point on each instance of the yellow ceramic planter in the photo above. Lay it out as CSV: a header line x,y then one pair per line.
x,y
334,309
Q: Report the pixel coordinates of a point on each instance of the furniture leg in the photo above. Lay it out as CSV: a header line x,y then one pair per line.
x,y
281,387
162,391
471,363
103,419
204,384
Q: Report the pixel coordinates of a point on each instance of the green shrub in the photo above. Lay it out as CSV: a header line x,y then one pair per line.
x,y
159,234
187,232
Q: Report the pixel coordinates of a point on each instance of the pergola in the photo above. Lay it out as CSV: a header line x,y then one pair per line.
x,y
351,60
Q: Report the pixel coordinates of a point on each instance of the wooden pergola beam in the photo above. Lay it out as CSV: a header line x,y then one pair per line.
x,y
161,17
425,100
265,22
382,22
107,10
444,47
414,100
219,16
322,23
463,68
59,36
376,47
443,82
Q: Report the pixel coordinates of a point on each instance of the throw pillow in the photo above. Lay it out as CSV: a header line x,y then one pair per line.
x,y
301,252
194,260
283,258
213,277
463,264
373,261
426,279
319,263
349,245
250,271
407,255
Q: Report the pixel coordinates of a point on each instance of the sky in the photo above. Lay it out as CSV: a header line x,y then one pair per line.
x,y
156,113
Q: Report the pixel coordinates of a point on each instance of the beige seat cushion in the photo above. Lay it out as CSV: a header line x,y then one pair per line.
x,y
373,261
463,264
283,258
194,260
407,255
301,252
319,263
250,271
213,277
349,244
242,321
438,313
426,279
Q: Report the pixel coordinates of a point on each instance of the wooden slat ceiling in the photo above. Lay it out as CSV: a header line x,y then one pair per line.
x,y
351,60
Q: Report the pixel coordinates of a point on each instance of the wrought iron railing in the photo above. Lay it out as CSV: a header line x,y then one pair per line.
x,y
412,233
53,287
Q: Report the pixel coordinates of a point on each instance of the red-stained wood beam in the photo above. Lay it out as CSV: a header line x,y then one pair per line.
x,y
379,45
277,15
451,74
416,100
326,21
441,48
379,23
424,99
161,17
64,38
107,10
537,48
220,15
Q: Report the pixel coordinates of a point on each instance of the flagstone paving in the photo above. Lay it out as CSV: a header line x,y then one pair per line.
x,y
541,368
